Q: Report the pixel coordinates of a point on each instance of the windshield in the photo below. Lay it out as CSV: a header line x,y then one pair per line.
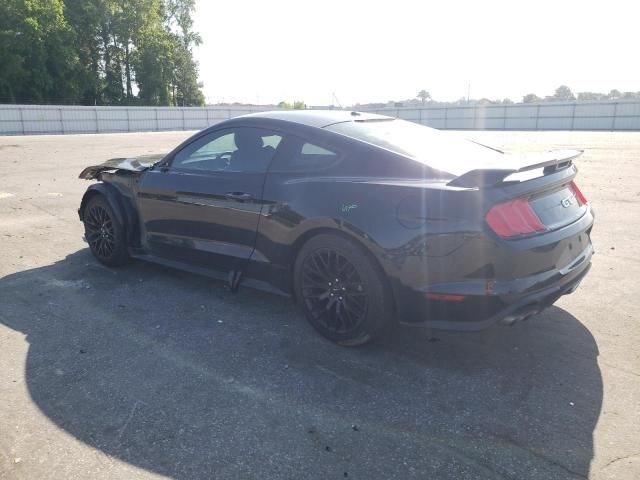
x,y
439,150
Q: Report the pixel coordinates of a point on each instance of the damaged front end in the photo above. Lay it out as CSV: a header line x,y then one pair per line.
x,y
134,164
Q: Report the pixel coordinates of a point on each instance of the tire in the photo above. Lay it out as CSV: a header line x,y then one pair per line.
x,y
342,292
104,233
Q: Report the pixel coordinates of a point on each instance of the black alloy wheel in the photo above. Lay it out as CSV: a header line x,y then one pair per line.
x,y
103,232
333,291
342,291
100,232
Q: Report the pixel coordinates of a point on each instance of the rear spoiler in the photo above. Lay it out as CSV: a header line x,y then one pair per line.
x,y
487,177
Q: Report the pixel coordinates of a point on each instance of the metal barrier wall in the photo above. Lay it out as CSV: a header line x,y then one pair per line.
x,y
611,115
51,119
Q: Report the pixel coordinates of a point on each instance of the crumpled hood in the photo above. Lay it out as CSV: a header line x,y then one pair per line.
x,y
133,164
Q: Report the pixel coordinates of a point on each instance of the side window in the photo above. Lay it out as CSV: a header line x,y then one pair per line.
x,y
311,149
241,149
303,156
271,140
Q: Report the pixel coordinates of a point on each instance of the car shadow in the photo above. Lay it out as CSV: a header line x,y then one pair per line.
x,y
173,374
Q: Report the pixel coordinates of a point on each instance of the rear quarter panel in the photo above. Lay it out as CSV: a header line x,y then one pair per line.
x,y
421,232
364,208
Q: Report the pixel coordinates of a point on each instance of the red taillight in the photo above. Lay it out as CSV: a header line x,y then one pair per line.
x,y
581,198
515,217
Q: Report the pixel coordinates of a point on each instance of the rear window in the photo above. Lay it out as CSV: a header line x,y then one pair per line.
x,y
439,150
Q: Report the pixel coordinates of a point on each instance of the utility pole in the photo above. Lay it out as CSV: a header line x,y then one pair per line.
x,y
335,99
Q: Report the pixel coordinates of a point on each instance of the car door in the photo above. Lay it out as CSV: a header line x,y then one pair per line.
x,y
294,195
203,207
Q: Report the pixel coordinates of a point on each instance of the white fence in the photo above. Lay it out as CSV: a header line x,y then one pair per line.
x,y
46,119
49,119
611,115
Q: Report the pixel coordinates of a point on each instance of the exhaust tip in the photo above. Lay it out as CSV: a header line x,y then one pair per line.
x,y
522,313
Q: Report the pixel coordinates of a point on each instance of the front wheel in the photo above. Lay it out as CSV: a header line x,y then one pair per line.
x,y
104,233
341,290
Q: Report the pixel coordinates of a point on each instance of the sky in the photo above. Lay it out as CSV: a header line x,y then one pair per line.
x,y
375,51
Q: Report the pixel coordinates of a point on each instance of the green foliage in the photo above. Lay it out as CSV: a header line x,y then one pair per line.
x,y
615,94
153,64
531,98
424,95
296,105
563,94
590,96
36,57
105,52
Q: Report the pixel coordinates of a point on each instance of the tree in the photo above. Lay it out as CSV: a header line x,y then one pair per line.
x,y
186,89
85,18
179,23
130,20
531,98
296,105
37,59
563,93
590,96
614,94
153,64
99,51
424,96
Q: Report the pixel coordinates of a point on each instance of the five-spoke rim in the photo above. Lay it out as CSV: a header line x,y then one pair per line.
x,y
333,291
99,231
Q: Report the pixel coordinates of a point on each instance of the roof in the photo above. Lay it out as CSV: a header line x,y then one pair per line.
x,y
316,118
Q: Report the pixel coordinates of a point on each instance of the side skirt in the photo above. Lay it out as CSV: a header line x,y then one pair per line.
x,y
238,281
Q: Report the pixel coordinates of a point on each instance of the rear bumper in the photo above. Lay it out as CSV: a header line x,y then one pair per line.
x,y
487,302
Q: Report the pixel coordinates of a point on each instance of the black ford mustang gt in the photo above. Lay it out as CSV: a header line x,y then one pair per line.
x,y
364,219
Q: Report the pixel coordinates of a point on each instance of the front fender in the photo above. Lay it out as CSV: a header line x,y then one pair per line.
x,y
109,193
124,213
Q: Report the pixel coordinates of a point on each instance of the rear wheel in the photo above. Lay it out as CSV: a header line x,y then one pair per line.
x,y
341,290
103,232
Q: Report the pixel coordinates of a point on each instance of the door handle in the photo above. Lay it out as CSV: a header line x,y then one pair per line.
x,y
238,196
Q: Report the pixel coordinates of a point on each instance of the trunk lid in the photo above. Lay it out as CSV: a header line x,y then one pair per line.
x,y
557,208
538,193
